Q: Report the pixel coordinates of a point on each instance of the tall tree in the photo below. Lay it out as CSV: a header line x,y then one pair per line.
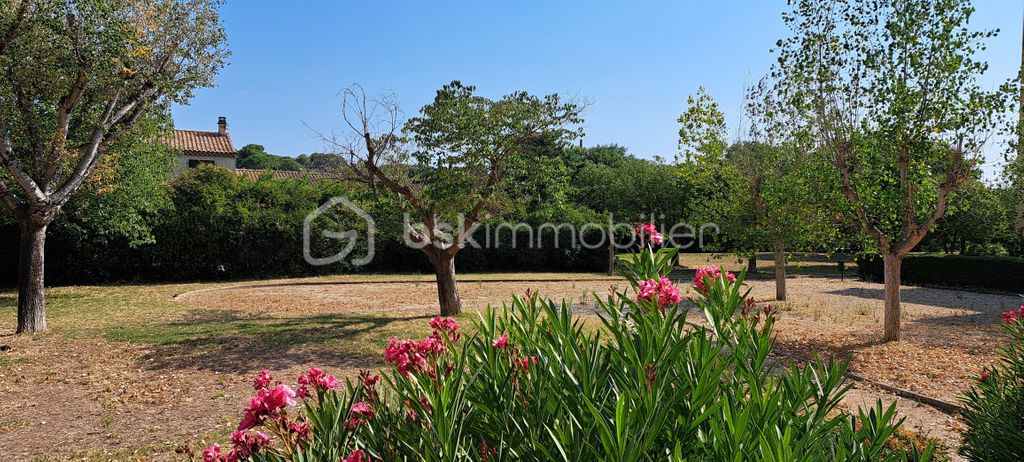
x,y
764,194
703,142
890,88
77,75
453,163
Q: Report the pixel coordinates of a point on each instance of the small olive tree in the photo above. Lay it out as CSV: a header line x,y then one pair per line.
x,y
889,90
76,76
452,165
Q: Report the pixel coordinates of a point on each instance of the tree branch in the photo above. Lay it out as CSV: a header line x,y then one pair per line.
x,y
12,32
24,180
8,198
952,180
883,241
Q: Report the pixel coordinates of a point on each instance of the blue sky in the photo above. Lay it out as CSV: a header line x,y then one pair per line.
x,y
635,62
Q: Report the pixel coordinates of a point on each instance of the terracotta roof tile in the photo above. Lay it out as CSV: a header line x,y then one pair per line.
x,y
200,143
254,174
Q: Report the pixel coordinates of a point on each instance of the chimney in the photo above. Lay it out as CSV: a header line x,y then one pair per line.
x,y
222,125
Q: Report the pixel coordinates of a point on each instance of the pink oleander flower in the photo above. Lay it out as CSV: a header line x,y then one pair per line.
x,y
448,325
358,414
266,402
262,379
1011,316
985,375
246,443
212,453
300,429
426,404
501,342
238,437
405,355
254,413
430,346
280,397
411,355
525,362
487,452
669,296
663,288
355,456
310,376
318,379
646,290
362,409
370,381
712,272
648,232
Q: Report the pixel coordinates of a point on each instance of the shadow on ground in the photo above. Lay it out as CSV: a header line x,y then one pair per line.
x,y
232,341
939,298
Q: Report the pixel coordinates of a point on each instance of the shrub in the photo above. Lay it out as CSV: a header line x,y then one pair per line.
x,y
973,272
995,405
534,382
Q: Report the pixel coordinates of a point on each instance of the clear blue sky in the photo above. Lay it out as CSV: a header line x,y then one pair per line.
x,y
635,61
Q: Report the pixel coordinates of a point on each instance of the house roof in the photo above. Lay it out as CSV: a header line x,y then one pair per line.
x,y
200,143
255,174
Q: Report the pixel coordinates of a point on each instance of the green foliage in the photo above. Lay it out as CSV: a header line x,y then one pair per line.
x,y
469,150
80,72
995,405
890,89
224,226
607,180
967,272
320,162
647,265
255,156
980,221
124,195
702,130
645,386
111,218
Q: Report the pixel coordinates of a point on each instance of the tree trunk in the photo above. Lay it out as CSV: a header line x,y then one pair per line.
x,y
611,251
780,270
31,295
447,288
892,264
752,264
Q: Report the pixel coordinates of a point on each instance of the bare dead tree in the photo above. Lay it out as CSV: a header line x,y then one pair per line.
x,y
487,143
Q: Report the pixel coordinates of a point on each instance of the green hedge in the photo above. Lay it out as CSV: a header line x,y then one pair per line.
x,y
221,226
968,272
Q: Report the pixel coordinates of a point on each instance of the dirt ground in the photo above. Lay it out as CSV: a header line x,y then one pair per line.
x,y
81,397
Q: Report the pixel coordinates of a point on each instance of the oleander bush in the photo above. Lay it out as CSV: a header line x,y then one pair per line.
x,y
536,382
995,405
